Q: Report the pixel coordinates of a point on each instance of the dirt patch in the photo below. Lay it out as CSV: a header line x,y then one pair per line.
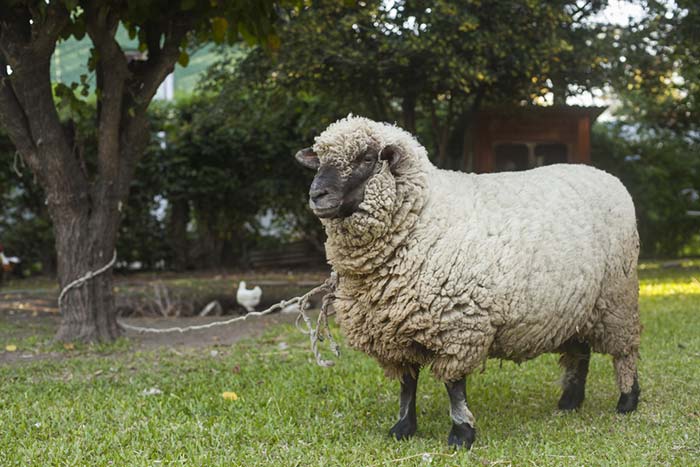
x,y
219,335
169,294
32,334
29,317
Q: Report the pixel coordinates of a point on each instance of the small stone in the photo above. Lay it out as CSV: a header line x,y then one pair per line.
x,y
151,392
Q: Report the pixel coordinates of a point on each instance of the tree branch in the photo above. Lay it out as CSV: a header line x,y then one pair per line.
x,y
142,85
101,25
146,77
14,120
45,34
15,34
28,96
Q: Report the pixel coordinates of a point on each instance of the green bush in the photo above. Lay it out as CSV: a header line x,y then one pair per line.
x,y
662,171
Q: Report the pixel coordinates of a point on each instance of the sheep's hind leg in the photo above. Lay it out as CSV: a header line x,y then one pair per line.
x,y
628,382
407,424
575,361
462,433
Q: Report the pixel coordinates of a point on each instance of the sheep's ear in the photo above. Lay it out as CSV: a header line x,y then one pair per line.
x,y
308,158
391,154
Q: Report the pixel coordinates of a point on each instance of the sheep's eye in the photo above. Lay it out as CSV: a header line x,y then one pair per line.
x,y
369,157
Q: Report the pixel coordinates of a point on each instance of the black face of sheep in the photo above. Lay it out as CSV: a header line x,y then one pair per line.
x,y
333,195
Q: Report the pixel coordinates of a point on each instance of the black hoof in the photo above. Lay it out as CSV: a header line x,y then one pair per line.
x,y
628,401
403,429
571,398
461,436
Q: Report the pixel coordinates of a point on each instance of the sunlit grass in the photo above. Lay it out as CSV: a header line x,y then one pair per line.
x,y
656,289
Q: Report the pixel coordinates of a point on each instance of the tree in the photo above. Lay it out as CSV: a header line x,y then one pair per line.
x,y
658,68
85,192
227,162
654,146
662,173
430,64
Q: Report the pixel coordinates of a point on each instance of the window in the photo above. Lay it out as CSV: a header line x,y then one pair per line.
x,y
522,156
511,157
553,153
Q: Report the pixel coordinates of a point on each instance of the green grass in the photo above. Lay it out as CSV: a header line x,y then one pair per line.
x,y
89,409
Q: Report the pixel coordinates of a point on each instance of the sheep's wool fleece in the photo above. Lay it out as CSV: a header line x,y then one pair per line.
x,y
448,268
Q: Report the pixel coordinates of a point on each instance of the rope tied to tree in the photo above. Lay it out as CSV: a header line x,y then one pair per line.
x,y
82,280
16,163
316,334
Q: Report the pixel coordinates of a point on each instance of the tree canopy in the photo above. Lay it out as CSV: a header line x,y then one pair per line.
x,y
86,188
440,59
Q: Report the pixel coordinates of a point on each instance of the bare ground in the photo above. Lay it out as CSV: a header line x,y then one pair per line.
x,y
30,316
219,335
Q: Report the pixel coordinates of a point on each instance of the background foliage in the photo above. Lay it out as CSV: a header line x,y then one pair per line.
x,y
218,178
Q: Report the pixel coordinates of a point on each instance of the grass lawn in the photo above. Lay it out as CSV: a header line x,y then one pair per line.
x,y
87,406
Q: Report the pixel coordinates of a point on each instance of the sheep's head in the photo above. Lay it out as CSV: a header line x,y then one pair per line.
x,y
346,157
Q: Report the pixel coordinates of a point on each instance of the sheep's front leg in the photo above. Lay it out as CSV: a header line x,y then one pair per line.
x,y
463,432
407,424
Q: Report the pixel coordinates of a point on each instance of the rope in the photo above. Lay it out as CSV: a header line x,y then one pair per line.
x,y
81,280
321,332
15,166
199,327
318,334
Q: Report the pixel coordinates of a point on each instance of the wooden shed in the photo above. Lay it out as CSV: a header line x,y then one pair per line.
x,y
528,137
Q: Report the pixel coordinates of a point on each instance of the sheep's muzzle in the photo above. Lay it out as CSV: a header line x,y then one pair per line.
x,y
325,194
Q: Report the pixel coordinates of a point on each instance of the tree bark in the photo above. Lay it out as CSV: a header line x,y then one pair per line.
x,y
211,243
558,92
88,311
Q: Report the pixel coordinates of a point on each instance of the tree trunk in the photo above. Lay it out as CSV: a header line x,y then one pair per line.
x,y
558,92
84,244
408,113
177,232
211,244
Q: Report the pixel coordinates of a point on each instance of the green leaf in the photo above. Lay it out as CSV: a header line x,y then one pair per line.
x,y
186,5
184,59
273,41
132,32
246,34
219,26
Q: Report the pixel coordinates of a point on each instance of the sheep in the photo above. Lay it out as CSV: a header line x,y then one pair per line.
x,y
448,269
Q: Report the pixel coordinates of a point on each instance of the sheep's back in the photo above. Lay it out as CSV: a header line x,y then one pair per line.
x,y
527,252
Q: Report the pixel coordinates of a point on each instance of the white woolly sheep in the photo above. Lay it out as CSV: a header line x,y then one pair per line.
x,y
447,269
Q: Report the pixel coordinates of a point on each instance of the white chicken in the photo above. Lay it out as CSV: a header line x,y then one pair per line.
x,y
249,299
6,262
